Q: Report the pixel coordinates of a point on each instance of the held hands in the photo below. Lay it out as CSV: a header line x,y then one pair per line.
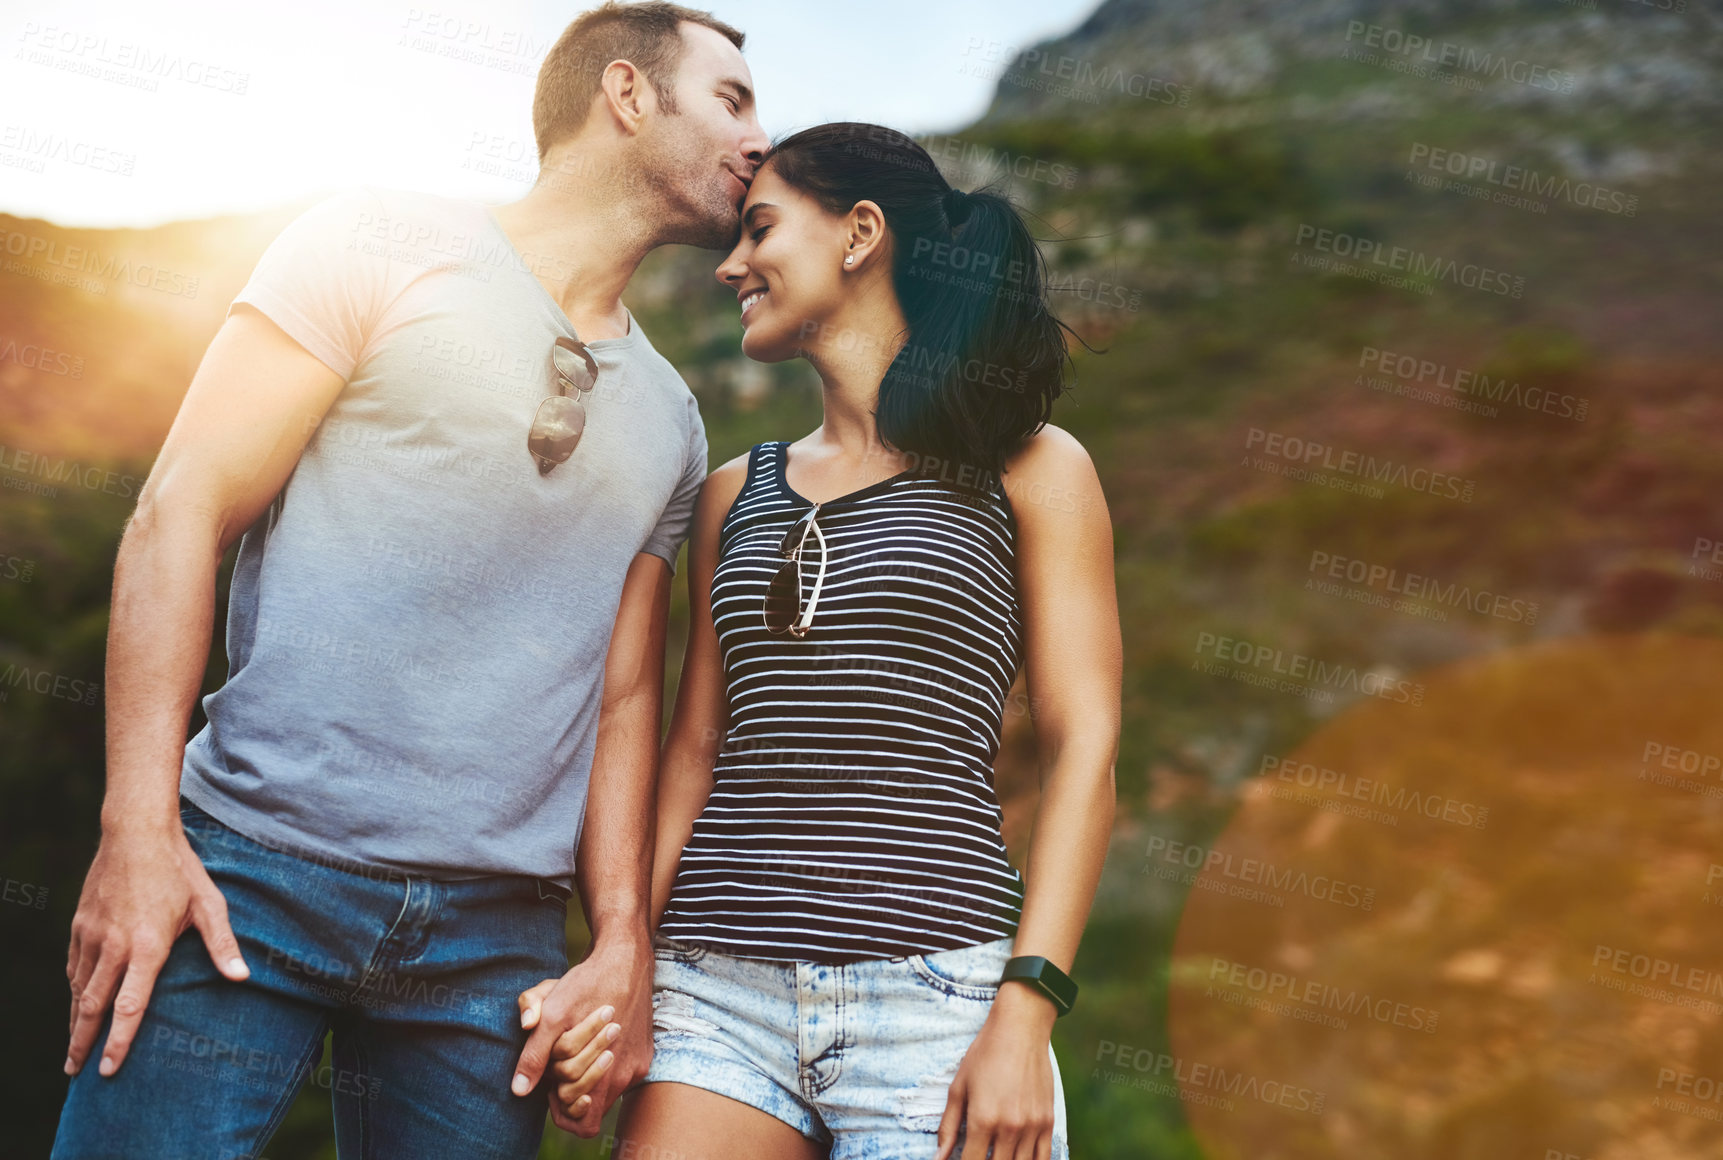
x,y
1004,1086
591,1059
579,1058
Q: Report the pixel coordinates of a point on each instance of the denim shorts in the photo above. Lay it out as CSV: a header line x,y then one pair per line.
x,y
858,1056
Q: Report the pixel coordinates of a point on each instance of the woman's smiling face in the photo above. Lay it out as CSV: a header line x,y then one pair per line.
x,y
787,269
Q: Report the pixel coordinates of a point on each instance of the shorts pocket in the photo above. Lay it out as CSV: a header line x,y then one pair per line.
x,y
964,972
669,950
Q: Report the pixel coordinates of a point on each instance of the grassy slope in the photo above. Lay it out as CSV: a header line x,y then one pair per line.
x,y
1592,520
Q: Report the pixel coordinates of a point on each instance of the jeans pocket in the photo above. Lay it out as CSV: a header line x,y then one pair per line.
x,y
191,815
210,839
547,894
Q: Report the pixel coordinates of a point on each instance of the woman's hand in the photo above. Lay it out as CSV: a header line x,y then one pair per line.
x,y
576,1064
579,1060
1004,1086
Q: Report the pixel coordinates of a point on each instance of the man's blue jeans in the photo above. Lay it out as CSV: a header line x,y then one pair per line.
x,y
418,979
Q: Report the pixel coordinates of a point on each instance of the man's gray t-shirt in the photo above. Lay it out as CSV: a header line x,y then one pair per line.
x,y
417,629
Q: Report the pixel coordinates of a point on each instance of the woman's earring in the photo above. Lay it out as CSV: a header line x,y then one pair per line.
x,y
848,259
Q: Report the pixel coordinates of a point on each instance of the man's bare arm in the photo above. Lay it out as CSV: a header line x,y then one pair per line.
x,y
251,406
684,778
702,712
614,863
614,866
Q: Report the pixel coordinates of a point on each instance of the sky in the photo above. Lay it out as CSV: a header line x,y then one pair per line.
x,y
116,113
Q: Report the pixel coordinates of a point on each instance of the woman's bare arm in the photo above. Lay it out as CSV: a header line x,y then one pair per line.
x,y
1005,1086
1073,668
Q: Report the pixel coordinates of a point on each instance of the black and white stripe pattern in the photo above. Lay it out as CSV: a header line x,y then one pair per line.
x,y
852,813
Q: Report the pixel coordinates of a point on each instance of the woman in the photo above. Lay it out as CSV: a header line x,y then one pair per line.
x,y
833,906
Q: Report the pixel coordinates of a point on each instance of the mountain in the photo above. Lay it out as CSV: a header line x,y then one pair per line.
x,y
1406,369
1663,55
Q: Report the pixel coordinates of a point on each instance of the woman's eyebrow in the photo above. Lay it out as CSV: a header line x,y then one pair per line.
x,y
748,214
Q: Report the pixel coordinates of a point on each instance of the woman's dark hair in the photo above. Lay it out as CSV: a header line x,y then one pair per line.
x,y
984,357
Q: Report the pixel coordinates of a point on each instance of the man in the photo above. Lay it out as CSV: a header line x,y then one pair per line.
x,y
378,830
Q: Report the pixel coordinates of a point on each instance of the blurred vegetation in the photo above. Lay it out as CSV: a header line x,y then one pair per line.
x,y
1194,212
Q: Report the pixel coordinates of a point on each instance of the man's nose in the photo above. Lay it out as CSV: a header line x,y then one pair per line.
x,y
755,144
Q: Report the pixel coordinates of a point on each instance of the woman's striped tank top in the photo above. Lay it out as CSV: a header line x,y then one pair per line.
x,y
852,813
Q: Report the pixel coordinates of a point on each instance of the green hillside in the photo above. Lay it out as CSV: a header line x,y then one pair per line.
x,y
1405,366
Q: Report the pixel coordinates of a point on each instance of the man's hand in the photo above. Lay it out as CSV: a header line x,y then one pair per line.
x,y
618,974
143,890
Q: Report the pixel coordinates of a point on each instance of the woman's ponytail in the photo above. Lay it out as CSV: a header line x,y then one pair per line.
x,y
984,356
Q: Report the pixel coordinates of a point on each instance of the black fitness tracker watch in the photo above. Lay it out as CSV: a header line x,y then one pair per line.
x,y
1044,977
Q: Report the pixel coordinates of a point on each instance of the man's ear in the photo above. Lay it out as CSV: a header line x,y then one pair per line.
x,y
625,95
867,233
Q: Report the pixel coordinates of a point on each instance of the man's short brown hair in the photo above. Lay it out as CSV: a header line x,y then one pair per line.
x,y
647,35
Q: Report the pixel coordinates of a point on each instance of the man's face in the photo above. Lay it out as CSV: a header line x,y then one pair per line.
x,y
704,155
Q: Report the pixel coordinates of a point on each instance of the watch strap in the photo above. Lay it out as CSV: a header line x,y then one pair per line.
x,y
1045,977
